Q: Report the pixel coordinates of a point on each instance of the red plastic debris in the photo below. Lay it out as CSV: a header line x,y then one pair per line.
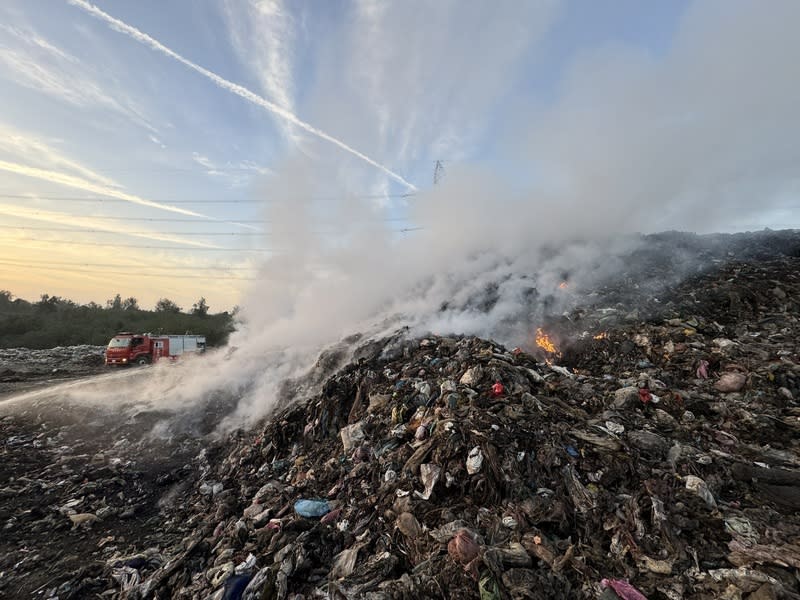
x,y
644,395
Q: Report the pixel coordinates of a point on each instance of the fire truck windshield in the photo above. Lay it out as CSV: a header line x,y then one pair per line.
x,y
119,342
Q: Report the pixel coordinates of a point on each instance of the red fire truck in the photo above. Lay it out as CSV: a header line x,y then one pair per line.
x,y
128,348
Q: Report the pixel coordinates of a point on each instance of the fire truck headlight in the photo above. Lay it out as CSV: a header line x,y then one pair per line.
x,y
124,360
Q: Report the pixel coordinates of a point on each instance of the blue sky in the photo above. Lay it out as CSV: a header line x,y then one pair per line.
x,y
125,170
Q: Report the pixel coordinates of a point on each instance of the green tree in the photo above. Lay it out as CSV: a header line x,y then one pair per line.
x,y
47,302
200,308
165,305
53,321
130,304
115,303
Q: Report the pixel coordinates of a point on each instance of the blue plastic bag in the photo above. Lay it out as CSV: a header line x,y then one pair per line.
x,y
312,508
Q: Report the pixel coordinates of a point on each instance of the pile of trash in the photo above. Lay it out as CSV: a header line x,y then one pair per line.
x,y
27,365
649,454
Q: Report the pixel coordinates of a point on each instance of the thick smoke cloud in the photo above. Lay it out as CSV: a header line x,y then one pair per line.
x,y
699,138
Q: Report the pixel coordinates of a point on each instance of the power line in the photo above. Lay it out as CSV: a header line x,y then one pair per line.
x,y
170,219
194,234
207,221
153,247
201,201
150,232
79,243
202,169
104,199
143,246
135,273
160,232
121,266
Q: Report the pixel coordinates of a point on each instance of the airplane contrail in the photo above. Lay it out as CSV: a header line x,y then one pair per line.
x,y
234,88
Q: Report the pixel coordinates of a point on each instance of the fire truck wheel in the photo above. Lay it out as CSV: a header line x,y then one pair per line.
x,y
142,360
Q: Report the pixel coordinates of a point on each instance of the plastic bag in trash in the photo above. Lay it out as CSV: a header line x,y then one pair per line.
x,y
623,589
312,508
463,547
474,460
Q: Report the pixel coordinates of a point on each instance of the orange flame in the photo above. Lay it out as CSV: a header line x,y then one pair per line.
x,y
545,343
563,285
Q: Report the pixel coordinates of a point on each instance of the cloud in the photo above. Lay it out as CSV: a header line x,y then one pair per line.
x,y
418,81
68,180
238,174
205,162
38,65
36,152
47,164
430,74
239,90
30,37
249,165
91,225
263,35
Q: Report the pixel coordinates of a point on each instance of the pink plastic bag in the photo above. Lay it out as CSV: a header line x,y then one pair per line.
x,y
623,589
702,370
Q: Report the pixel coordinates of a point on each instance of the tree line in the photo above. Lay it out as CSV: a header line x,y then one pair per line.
x,y
56,321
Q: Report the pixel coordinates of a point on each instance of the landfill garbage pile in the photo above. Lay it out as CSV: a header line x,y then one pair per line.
x,y
626,452
18,365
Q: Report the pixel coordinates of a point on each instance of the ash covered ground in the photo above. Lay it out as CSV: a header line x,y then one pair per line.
x,y
653,450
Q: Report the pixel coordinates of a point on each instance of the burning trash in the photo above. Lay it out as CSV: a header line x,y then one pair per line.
x,y
545,342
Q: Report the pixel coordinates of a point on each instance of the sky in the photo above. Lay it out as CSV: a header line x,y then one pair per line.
x,y
172,149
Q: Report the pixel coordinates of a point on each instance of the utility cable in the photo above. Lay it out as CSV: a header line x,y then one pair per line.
x,y
173,268
160,232
206,221
153,247
135,273
200,201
